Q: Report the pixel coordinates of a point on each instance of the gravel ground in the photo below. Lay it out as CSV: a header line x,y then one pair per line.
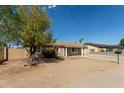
x,y
53,74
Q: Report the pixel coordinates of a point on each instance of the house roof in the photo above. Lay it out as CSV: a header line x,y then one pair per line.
x,y
65,44
102,45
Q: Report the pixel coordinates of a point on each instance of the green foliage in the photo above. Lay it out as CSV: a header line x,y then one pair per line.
x,y
49,53
24,25
27,26
2,44
8,25
81,40
35,25
54,40
122,42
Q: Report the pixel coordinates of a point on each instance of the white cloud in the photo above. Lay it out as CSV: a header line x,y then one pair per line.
x,y
51,6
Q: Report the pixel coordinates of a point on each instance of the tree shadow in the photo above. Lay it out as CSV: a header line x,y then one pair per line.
x,y
50,60
3,62
113,62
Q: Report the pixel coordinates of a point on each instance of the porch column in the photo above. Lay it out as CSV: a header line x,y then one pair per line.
x,y
65,52
82,52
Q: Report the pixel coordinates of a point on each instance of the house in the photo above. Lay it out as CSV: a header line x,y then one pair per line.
x,y
93,47
66,49
63,49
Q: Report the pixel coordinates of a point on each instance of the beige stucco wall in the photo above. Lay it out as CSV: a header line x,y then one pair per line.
x,y
61,51
1,53
102,49
21,53
96,49
17,53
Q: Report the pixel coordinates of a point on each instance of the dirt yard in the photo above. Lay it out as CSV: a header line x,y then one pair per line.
x,y
51,73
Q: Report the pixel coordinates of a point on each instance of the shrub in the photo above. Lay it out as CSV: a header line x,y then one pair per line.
x,y
49,53
102,51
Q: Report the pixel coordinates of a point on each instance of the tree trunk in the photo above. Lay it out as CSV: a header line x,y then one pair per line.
x,y
31,60
32,51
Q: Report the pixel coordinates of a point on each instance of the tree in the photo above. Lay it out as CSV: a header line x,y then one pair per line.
x,y
27,26
122,43
8,25
35,25
81,40
54,40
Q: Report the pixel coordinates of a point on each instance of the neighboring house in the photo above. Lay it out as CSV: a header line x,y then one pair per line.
x,y
92,47
67,48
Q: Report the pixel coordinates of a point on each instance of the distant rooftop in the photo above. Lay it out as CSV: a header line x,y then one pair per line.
x,y
102,45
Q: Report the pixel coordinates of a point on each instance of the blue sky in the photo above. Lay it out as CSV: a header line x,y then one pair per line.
x,y
97,24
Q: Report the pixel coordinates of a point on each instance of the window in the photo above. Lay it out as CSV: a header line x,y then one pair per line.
x,y
74,49
92,50
56,49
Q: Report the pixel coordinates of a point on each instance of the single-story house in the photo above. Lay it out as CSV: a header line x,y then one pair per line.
x,y
93,47
63,49
66,49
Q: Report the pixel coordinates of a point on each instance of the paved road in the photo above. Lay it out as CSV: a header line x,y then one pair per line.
x,y
106,57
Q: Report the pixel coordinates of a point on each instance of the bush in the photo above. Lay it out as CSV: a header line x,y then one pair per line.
x,y
102,51
49,53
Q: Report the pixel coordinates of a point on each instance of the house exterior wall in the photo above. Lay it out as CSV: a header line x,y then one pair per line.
x,y
70,53
17,53
93,48
21,53
96,49
86,51
1,53
114,49
61,51
102,50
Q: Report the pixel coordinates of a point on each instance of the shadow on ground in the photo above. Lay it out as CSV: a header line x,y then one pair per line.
x,y
50,60
3,61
